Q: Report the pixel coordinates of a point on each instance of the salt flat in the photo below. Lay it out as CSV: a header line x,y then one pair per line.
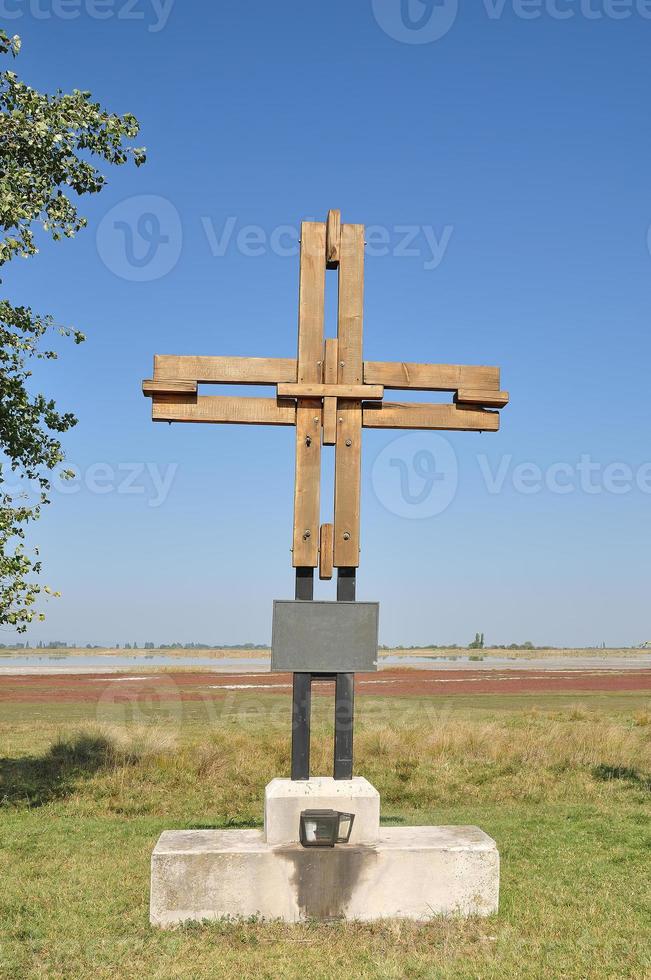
x,y
37,664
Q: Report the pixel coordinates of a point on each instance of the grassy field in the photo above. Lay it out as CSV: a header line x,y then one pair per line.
x,y
564,787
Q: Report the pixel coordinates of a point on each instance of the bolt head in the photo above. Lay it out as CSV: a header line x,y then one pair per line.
x,y
349,442
346,535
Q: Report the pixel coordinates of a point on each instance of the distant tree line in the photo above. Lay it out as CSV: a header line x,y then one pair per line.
x,y
205,646
63,645
476,644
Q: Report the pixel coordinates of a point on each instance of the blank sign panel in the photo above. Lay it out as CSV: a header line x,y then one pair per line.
x,y
324,637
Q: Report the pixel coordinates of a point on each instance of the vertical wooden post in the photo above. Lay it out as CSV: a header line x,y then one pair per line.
x,y
305,549
333,239
326,552
308,410
349,412
330,403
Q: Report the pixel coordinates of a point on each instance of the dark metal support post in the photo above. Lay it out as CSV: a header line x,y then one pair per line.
x,y
304,583
344,709
302,693
301,706
344,691
346,584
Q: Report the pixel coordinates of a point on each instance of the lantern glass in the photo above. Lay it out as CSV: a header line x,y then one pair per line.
x,y
345,827
325,828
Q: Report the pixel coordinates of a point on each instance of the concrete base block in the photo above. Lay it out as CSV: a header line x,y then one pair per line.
x,y
284,799
409,873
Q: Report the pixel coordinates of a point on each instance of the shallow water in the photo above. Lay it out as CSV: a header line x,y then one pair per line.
x,y
101,662
431,660
52,663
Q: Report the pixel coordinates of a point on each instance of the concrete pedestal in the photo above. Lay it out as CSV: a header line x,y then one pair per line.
x,y
284,799
384,873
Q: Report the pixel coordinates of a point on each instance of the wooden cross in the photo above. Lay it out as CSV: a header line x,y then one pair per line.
x,y
328,392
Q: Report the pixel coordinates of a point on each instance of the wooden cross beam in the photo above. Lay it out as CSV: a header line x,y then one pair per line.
x,y
328,393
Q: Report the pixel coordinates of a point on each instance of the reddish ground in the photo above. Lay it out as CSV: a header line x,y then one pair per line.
x,y
194,686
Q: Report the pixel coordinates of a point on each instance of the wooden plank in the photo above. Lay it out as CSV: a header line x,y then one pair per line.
x,y
347,484
330,404
431,377
337,391
326,555
225,370
305,552
333,239
329,421
412,415
348,452
305,548
168,386
330,361
479,396
351,305
311,294
208,408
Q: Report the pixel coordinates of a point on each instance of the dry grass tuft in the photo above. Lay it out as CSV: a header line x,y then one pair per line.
x,y
417,761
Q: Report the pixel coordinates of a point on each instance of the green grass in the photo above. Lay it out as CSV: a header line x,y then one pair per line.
x,y
564,787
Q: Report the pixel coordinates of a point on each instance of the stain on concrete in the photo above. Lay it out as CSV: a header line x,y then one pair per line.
x,y
325,877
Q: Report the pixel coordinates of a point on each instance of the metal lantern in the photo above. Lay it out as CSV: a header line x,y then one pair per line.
x,y
325,828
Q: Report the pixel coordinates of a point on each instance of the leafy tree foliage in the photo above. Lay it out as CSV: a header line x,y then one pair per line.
x,y
49,145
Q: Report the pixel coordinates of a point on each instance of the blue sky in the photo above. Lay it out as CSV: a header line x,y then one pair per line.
x,y
500,152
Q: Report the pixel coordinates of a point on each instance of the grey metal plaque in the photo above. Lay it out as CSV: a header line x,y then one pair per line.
x,y
324,637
